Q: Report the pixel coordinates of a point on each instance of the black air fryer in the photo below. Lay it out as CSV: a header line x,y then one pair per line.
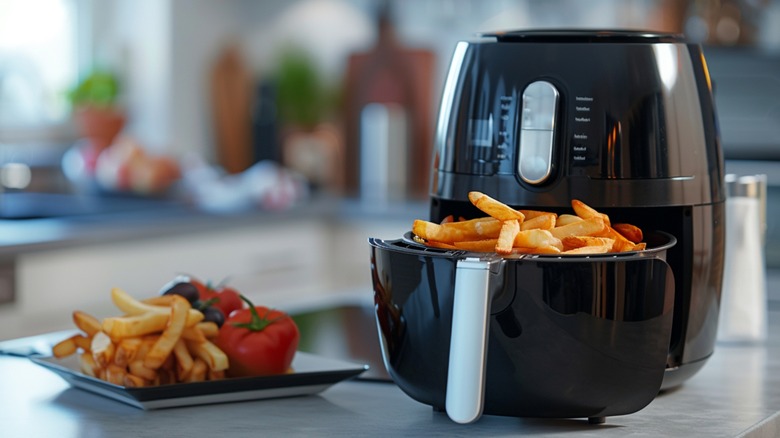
x,y
622,120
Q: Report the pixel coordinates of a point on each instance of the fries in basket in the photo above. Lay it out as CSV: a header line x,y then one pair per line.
x,y
156,342
509,231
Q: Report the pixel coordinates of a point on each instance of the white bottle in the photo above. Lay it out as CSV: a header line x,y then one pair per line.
x,y
743,308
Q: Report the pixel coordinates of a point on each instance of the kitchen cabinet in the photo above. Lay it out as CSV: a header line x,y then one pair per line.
x,y
290,260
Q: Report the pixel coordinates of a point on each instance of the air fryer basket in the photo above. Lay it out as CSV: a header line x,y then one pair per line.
x,y
568,336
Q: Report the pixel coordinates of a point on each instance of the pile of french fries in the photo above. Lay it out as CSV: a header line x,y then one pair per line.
x,y
509,231
158,341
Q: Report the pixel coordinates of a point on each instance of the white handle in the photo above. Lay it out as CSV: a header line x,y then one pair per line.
x,y
468,344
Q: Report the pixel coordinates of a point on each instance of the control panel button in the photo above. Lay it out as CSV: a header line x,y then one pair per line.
x,y
537,128
535,162
540,102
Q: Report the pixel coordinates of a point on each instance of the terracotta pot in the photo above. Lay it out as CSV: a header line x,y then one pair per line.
x,y
100,125
316,153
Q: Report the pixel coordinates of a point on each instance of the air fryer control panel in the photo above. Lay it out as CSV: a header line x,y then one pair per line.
x,y
587,124
538,114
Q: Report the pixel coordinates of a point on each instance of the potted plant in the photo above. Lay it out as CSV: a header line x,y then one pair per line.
x,y
96,110
311,144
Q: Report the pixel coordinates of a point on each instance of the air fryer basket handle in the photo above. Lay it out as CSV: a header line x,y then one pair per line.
x,y
474,291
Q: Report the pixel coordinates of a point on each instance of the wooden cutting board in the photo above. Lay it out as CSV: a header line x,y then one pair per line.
x,y
231,96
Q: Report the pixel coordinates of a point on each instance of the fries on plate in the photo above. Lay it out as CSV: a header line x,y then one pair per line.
x,y
151,344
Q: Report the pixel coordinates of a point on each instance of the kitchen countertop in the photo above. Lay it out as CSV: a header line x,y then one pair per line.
x,y
159,218
736,394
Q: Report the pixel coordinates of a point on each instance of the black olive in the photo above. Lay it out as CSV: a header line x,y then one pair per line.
x,y
183,288
214,315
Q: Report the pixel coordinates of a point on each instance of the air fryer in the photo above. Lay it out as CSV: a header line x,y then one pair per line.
x,y
622,120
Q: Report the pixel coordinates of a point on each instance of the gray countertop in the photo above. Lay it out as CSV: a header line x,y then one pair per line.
x,y
736,394
161,218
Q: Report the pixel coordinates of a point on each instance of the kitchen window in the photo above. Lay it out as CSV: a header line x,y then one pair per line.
x,y
39,62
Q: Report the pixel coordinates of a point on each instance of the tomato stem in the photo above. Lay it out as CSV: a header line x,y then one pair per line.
x,y
258,323
202,305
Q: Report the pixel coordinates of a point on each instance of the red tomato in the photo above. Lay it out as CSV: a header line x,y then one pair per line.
x,y
229,300
225,298
258,341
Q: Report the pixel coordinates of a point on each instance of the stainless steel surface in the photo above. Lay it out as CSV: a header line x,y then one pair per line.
x,y
384,136
772,214
468,345
743,300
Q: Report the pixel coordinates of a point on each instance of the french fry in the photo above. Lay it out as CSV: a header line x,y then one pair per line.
x,y
585,211
600,249
487,245
494,208
506,238
86,323
137,368
159,300
116,374
544,221
209,329
588,227
621,243
477,229
126,351
210,353
65,347
530,214
537,239
435,232
83,342
119,327
88,365
549,250
435,244
184,360
573,242
165,343
102,349
199,370
133,381
193,334
566,219
124,302
147,342
629,231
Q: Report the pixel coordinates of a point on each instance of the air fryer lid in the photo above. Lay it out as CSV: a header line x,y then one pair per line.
x,y
586,36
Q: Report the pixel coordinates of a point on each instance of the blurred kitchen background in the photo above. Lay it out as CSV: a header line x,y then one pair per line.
x,y
232,107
